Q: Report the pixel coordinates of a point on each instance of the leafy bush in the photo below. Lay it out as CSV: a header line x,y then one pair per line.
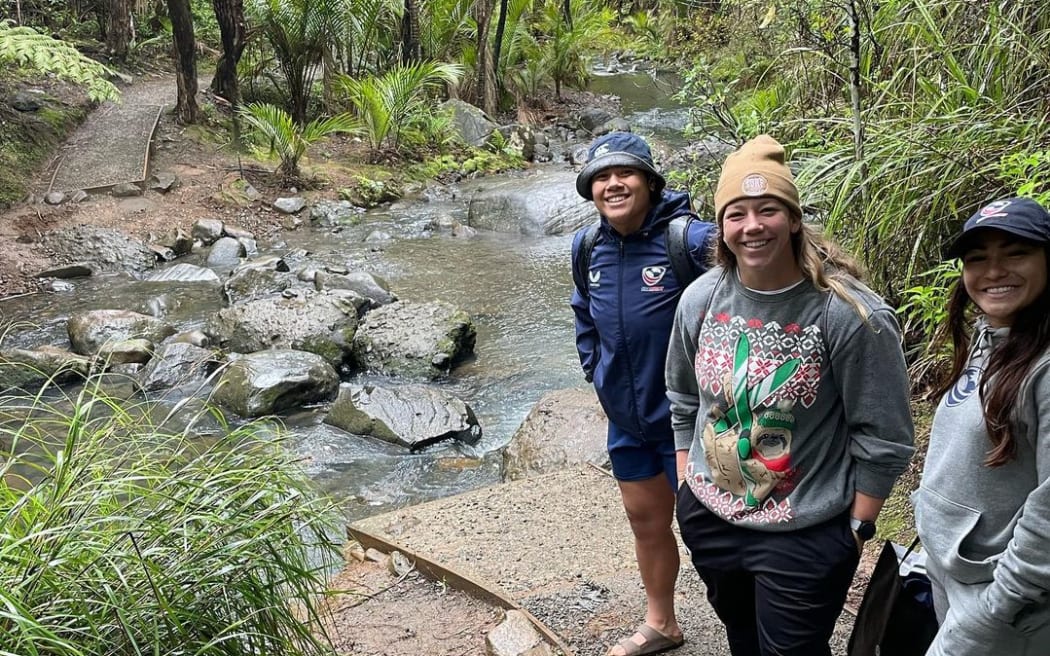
x,y
923,311
122,535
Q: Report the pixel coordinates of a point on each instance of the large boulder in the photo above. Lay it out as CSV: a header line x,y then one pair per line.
x,y
176,364
102,249
319,322
414,340
471,123
89,331
565,427
542,204
413,416
28,369
270,382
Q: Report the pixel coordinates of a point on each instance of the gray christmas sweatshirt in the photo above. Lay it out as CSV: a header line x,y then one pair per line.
x,y
986,530
788,403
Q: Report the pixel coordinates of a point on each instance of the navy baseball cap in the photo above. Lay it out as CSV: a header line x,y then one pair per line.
x,y
617,149
1022,217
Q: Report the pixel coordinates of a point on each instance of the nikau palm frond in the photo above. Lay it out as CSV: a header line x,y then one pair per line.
x,y
286,138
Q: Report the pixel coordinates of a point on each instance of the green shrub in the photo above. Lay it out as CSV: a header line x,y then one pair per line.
x,y
121,535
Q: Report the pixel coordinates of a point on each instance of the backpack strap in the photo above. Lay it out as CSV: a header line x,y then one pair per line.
x,y
677,238
581,264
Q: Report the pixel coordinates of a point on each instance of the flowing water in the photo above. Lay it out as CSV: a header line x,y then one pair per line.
x,y
516,288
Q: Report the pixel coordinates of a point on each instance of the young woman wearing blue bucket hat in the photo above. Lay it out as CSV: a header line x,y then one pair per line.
x,y
624,305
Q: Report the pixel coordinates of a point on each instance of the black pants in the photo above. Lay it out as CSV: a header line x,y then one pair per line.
x,y
778,594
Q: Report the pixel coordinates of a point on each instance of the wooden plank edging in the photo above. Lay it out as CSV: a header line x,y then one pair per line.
x,y
458,581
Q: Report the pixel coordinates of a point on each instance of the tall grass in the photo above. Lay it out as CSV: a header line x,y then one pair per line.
x,y
951,92
120,537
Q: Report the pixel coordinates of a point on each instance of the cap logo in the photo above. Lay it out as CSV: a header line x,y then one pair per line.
x,y
600,150
998,208
754,185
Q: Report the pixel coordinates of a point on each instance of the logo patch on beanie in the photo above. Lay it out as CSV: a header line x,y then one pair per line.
x,y
754,185
599,151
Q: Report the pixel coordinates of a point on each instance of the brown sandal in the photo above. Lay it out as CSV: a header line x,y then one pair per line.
x,y
655,642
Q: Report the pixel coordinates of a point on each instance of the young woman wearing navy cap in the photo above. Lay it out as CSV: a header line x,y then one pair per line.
x,y
983,508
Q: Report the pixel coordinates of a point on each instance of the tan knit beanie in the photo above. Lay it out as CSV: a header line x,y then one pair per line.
x,y
757,169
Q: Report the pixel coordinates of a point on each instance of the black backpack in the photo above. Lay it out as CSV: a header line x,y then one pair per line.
x,y
684,266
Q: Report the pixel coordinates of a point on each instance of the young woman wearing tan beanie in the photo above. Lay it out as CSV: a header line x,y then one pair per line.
x,y
789,402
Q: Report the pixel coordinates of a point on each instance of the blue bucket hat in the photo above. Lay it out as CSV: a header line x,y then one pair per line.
x,y
1022,217
617,149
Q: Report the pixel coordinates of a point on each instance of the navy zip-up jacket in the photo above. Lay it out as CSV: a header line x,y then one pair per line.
x,y
624,321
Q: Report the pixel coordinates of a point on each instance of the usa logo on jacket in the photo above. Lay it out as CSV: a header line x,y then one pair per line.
x,y
651,277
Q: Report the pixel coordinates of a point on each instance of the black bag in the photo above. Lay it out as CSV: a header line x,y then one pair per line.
x,y
896,616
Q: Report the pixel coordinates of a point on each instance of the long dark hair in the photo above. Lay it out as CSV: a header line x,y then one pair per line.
x,y
1008,366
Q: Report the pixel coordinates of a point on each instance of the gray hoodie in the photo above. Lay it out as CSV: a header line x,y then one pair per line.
x,y
788,402
986,530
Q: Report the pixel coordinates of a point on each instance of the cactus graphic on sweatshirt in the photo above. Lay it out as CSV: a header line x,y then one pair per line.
x,y
747,443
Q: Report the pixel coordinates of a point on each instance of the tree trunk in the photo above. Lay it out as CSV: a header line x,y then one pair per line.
x,y
501,26
567,9
185,61
119,32
485,91
230,16
855,92
411,49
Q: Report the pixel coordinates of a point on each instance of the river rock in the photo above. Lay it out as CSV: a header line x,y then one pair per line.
x,y
176,364
471,123
128,351
178,241
125,190
372,287
102,249
162,181
516,636
54,197
590,118
413,416
236,232
76,270
414,340
184,272
334,212
248,282
269,382
206,231
28,369
226,254
89,331
704,156
292,205
319,322
565,427
545,203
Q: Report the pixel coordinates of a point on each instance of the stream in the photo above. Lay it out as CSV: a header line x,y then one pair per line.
x,y
515,287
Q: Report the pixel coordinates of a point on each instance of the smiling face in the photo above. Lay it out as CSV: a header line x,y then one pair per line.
x,y
758,233
1003,275
623,195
